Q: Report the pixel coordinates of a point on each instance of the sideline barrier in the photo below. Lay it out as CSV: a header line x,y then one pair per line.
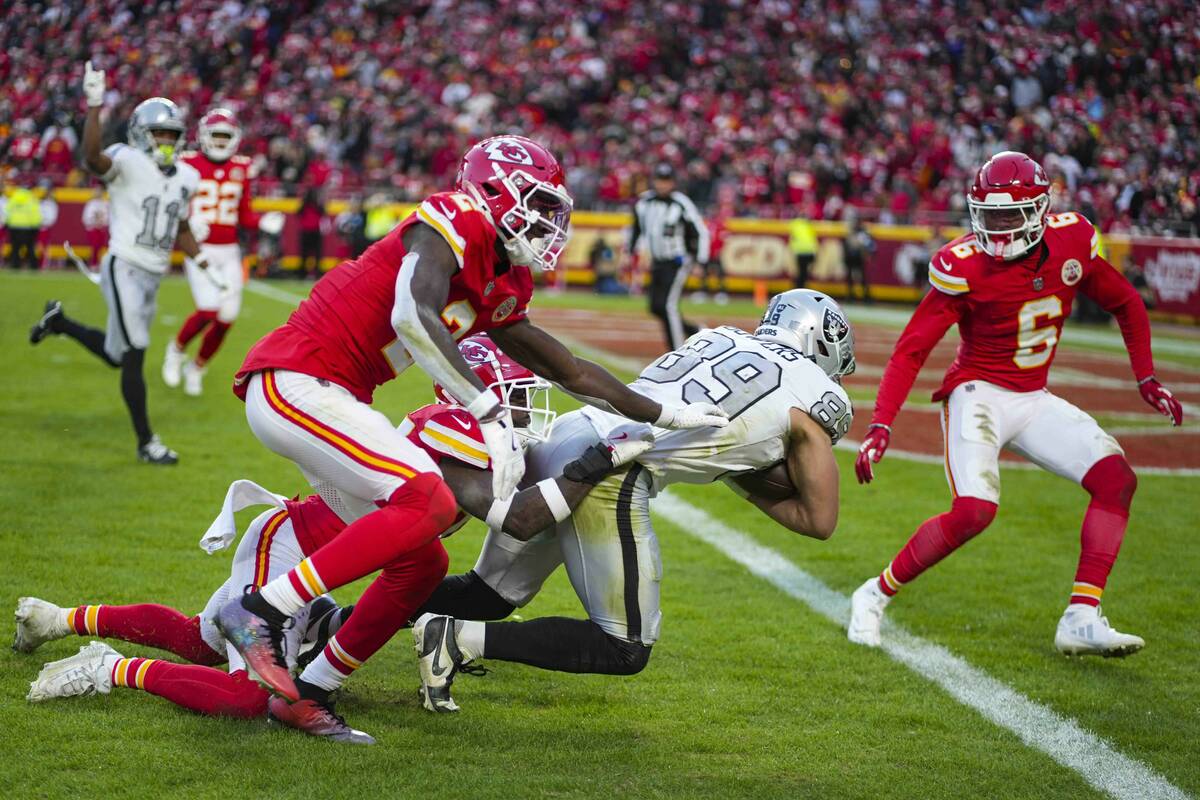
x,y
756,250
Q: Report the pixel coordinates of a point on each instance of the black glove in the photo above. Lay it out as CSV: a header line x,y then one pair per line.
x,y
591,467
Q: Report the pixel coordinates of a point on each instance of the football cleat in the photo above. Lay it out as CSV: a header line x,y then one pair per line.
x,y
438,659
38,622
316,717
155,452
193,379
172,368
325,617
86,673
1082,631
866,613
46,325
255,629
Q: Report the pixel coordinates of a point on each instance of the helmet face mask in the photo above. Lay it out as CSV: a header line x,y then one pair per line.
x,y
520,184
219,134
152,117
1009,201
814,325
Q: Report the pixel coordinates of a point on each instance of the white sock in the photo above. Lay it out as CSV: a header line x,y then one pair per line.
x,y
283,596
321,672
469,635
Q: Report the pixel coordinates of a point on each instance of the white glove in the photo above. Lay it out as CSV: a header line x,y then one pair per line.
x,y
629,441
693,415
93,85
199,227
506,454
272,223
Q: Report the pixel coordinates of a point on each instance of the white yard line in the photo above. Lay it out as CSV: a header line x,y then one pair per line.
x,y
1061,738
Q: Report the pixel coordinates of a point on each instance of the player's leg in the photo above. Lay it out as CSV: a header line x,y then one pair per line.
x,y
206,298
55,321
1068,442
225,262
976,421
343,444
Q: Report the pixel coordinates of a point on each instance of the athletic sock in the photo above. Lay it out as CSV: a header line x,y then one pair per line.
x,y
937,538
146,624
563,644
1111,483
202,689
192,327
211,342
133,389
90,338
470,636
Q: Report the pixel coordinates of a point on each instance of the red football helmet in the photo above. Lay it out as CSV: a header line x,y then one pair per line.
x,y
525,395
222,122
521,185
1009,201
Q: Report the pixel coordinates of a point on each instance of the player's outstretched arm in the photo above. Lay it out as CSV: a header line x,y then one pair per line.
x,y
93,90
813,510
593,384
529,512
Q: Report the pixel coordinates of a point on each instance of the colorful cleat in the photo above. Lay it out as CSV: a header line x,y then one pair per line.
x,y
38,622
866,614
316,718
86,673
255,629
46,325
1082,631
438,659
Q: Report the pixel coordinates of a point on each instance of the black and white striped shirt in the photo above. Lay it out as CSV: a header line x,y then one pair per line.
x,y
671,226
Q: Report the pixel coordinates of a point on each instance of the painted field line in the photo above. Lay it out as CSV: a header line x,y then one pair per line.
x,y
1039,727
266,289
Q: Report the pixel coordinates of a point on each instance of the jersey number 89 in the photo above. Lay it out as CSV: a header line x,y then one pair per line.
x,y
735,382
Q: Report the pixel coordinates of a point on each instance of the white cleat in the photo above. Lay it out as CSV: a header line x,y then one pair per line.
x,y
438,659
86,673
1082,631
38,622
172,368
866,613
193,379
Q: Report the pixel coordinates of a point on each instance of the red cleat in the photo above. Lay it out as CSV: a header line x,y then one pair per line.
x,y
255,629
316,719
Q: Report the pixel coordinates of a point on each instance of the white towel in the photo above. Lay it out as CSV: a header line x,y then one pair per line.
x,y
241,494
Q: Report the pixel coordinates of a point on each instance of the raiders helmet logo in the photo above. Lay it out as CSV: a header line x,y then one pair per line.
x,y
1072,272
509,151
504,309
834,326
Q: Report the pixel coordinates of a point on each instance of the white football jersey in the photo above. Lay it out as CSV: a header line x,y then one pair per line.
x,y
145,206
755,381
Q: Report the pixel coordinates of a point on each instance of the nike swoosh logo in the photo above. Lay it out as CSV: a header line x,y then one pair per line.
x,y
620,438
465,424
449,214
945,266
436,667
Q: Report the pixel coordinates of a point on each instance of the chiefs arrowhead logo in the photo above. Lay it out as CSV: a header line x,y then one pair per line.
x,y
834,326
504,309
474,352
509,151
1072,271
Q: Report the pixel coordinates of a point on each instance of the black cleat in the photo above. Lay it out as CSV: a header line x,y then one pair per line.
x,y
325,617
157,453
46,325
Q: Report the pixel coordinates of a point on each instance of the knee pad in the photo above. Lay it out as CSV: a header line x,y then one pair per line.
x,y
967,517
1111,482
630,658
430,490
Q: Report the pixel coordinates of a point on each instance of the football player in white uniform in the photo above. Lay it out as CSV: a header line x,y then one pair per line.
x,y
149,194
781,389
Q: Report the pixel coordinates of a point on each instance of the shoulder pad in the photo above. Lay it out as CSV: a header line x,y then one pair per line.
x,y
451,431
1074,226
455,216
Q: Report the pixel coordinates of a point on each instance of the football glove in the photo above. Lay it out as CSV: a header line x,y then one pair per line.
x,y
1161,398
506,454
873,446
693,415
93,85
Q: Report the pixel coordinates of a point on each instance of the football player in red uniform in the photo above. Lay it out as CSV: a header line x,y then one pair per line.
x,y
280,538
220,208
1009,286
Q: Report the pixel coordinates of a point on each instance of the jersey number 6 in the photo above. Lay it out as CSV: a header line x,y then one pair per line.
x,y
1035,345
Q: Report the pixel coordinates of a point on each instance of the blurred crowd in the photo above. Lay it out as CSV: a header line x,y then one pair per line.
x,y
766,107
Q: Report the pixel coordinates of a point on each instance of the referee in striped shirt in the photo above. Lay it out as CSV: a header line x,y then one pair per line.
x,y
675,234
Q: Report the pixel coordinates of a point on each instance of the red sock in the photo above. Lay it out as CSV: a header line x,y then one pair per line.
x,y
937,538
212,341
147,624
1111,483
202,689
414,515
384,608
192,326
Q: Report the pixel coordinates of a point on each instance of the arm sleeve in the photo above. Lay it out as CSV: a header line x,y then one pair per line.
x,y
1116,295
929,323
699,229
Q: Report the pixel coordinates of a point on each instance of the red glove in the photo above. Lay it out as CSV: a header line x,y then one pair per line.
x,y
1161,398
873,446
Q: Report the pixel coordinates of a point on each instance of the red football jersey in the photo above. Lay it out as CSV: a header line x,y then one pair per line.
x,y
223,197
442,431
1010,314
343,332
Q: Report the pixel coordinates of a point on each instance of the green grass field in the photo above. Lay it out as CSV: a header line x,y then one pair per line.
x,y
749,693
